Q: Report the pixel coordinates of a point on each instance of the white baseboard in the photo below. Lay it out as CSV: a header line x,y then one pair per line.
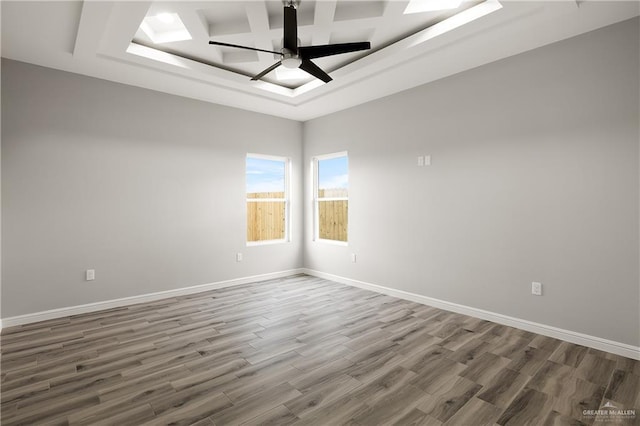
x,y
125,301
618,348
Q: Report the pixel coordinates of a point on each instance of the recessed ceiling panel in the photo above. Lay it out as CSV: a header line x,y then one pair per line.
x,y
226,18
236,56
350,10
164,27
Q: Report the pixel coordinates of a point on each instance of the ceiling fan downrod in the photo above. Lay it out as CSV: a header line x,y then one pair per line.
x,y
291,3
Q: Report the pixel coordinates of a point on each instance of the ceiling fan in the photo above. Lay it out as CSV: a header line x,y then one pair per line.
x,y
294,56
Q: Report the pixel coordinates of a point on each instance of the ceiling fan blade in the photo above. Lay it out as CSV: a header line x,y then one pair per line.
x,y
217,43
314,70
267,71
310,52
290,38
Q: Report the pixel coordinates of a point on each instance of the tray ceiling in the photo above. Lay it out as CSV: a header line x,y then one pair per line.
x,y
109,40
259,24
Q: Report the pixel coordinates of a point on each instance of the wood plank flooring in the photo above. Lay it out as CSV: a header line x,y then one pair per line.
x,y
301,350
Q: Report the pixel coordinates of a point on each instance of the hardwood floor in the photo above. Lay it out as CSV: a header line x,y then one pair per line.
x,y
301,350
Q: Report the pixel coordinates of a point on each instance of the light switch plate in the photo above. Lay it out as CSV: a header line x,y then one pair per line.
x,y
536,288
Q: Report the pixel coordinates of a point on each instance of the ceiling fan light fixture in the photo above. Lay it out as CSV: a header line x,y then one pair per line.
x,y
291,62
420,6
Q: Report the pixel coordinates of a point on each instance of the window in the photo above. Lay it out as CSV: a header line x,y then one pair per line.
x,y
331,197
267,199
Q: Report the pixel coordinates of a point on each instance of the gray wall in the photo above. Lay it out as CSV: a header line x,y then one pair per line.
x,y
534,178
145,187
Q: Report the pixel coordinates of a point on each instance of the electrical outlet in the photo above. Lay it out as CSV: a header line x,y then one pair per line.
x,y
90,275
420,161
427,160
536,288
238,257
353,258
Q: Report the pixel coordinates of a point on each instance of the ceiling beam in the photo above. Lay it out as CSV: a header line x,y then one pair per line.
x,y
322,21
128,16
198,27
259,23
393,9
91,27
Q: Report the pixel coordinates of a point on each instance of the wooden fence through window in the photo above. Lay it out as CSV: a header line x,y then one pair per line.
x,y
333,215
266,219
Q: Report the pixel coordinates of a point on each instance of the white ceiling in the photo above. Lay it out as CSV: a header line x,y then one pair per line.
x,y
102,39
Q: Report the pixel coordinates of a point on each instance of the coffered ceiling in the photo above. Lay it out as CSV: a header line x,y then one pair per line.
x,y
164,45
260,25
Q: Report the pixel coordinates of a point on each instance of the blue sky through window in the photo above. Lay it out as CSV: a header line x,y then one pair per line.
x,y
333,173
264,175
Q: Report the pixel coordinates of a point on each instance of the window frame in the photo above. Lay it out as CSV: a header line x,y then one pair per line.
x,y
286,199
316,199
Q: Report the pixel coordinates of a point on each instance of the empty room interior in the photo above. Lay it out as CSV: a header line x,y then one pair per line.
x,y
320,212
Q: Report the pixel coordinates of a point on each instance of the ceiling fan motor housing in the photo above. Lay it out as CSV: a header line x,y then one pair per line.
x,y
290,59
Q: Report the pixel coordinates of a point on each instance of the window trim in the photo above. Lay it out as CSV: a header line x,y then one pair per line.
x,y
316,200
286,199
